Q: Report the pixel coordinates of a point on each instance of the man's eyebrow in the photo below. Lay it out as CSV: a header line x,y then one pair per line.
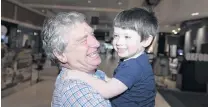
x,y
82,38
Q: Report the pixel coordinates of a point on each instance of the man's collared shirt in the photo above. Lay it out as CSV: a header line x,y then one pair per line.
x,y
76,93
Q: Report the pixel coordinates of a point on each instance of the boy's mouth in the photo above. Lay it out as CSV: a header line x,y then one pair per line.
x,y
121,50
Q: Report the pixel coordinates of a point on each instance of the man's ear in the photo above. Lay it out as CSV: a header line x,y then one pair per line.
x,y
61,57
147,41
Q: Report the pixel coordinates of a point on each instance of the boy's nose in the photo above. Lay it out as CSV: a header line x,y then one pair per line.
x,y
120,41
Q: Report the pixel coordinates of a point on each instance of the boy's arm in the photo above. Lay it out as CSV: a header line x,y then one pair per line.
x,y
110,88
107,89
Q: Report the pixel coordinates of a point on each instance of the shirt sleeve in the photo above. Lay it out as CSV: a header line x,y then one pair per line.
x,y
128,75
83,95
100,74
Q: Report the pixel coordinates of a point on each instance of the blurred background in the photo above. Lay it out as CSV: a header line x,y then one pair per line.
x,y
179,54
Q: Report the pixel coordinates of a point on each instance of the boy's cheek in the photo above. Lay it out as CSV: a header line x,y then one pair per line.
x,y
133,48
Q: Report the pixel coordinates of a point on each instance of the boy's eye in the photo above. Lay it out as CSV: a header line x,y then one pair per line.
x,y
127,37
115,36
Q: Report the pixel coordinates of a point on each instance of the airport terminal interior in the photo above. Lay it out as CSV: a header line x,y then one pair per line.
x,y
178,54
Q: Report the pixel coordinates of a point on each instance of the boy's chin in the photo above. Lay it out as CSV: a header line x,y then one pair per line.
x,y
124,56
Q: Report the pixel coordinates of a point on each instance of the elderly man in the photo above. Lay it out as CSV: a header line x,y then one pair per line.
x,y
68,39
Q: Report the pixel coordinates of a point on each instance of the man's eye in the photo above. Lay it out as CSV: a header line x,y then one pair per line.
x,y
84,41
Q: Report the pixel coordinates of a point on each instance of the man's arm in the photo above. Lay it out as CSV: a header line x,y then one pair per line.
x,y
82,95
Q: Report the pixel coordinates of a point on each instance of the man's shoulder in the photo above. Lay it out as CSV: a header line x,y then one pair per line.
x,y
80,94
73,84
76,87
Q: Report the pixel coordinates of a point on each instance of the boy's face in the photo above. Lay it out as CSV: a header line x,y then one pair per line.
x,y
127,42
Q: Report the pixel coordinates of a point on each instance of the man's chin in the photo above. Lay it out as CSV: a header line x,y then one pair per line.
x,y
95,64
94,61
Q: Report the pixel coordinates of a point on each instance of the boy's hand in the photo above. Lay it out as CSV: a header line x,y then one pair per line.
x,y
107,78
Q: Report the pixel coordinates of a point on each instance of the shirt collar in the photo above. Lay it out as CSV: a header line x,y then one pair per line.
x,y
63,69
135,56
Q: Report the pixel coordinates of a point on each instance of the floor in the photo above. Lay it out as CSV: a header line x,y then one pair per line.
x,y
184,99
40,94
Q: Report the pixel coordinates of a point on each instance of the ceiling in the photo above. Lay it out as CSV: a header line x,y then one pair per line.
x,y
169,12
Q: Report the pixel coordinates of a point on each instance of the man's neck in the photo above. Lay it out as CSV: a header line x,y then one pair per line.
x,y
70,69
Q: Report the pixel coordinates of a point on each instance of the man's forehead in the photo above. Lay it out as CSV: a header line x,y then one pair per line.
x,y
83,26
80,30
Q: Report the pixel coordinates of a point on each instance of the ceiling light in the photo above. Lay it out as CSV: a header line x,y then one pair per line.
x,y
43,11
173,30
195,14
167,25
89,1
35,33
18,30
179,29
175,33
120,3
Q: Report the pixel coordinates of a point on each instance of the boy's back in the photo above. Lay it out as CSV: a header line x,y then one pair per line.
x,y
138,76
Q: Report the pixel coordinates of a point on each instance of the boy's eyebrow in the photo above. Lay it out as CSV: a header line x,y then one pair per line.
x,y
115,33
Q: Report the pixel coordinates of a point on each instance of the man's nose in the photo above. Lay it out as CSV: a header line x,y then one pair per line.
x,y
93,42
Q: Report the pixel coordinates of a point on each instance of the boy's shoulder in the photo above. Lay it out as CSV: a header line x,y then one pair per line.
x,y
139,60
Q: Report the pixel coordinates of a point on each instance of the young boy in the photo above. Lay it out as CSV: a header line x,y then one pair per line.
x,y
133,83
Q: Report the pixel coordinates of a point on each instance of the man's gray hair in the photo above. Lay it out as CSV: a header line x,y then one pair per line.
x,y
56,28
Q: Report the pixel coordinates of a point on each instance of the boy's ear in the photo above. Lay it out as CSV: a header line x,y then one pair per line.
x,y
61,57
147,41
